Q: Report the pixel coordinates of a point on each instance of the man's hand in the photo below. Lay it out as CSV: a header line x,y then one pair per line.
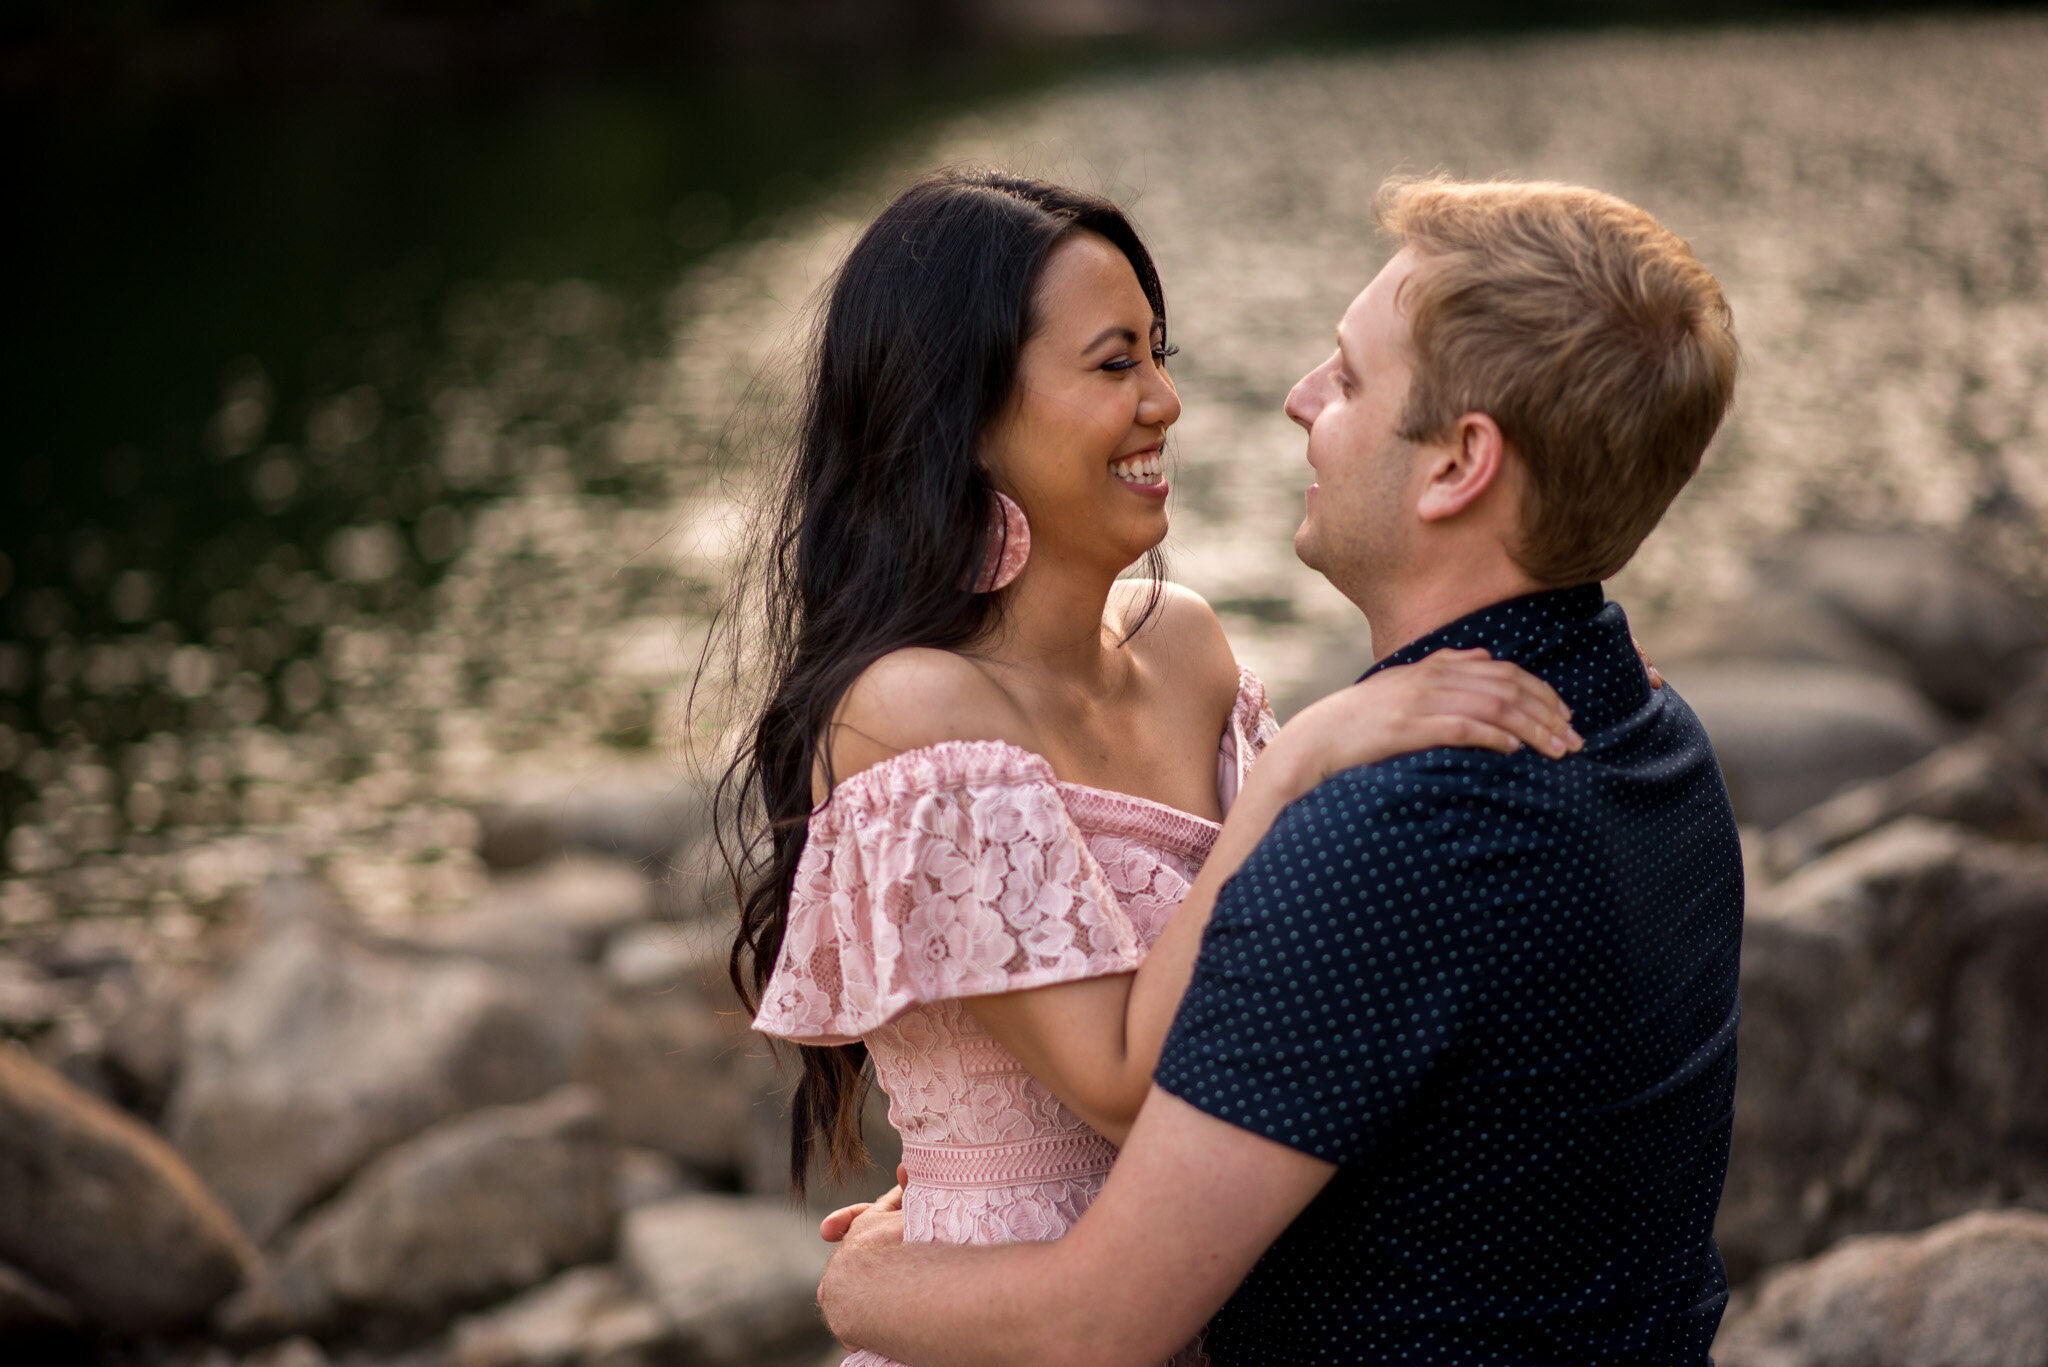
x,y
1190,1205
834,1226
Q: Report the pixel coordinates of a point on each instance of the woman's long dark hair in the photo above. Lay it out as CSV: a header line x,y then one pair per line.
x,y
878,532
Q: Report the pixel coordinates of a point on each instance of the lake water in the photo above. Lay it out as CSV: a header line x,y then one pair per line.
x,y
480,530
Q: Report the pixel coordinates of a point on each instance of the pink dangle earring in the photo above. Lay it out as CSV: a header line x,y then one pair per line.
x,y
1003,561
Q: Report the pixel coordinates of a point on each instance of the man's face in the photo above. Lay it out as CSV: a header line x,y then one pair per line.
x,y
1357,517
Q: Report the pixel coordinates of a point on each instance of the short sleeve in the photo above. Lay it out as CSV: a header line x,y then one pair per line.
x,y
1340,963
949,871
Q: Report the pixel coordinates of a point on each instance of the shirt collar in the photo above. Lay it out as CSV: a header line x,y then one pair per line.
x,y
1514,629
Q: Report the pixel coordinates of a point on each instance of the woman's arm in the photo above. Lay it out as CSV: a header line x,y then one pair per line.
x,y
1095,1043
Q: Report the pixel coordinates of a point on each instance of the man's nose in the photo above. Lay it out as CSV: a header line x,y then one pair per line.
x,y
1302,403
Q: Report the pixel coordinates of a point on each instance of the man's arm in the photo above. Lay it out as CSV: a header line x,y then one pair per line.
x,y
1190,1205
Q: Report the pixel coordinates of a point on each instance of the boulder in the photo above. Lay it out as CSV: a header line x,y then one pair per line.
x,y
1772,623
644,813
586,1317
319,1050
1894,1043
2021,718
1977,783
1790,735
30,1310
669,1050
101,1212
1969,1293
643,1176
563,908
736,1277
465,1212
1958,629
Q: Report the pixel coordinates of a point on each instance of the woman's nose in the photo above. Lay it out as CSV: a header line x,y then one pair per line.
x,y
1161,405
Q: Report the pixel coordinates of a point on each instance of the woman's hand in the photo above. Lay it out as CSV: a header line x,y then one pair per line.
x,y
1448,697
834,1226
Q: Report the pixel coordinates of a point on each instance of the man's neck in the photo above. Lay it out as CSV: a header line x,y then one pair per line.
x,y
1406,612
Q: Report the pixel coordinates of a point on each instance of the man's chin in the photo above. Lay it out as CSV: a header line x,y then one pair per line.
x,y
1305,548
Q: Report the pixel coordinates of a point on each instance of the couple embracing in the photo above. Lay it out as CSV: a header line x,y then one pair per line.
x,y
1402,1033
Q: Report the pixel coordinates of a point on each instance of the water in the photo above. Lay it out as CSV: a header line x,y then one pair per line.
x,y
469,544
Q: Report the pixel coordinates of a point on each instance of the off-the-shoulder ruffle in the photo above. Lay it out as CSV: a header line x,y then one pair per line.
x,y
958,870
951,871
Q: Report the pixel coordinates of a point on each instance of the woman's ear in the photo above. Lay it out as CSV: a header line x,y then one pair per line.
x,y
1462,468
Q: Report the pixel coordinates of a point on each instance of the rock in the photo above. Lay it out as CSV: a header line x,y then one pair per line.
x,y
643,1176
29,1309
563,908
317,1051
736,1277
1959,629
1773,623
101,1212
1790,735
669,1049
31,1001
674,1075
1894,1043
298,1351
587,1317
2021,719
1977,783
644,813
467,1211
1969,1293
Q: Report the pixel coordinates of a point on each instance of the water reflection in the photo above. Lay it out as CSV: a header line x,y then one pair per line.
x,y
483,546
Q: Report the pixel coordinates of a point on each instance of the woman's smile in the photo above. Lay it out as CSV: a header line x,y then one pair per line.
x,y
1142,472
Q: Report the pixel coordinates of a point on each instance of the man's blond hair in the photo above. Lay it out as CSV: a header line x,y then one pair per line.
x,y
1587,331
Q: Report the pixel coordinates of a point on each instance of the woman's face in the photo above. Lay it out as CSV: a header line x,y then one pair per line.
x,y
1080,444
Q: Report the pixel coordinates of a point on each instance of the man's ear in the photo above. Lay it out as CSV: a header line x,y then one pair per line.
x,y
1462,468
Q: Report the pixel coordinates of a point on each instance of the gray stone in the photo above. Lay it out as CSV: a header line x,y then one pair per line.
x,y
675,1075
2021,718
102,1212
30,1309
317,1051
471,1209
670,1050
1894,1043
643,1176
561,908
1977,783
1969,1293
1791,735
31,1001
1773,623
586,1317
646,813
736,1277
1959,629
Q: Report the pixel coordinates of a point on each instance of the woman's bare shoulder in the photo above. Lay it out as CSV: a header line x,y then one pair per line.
x,y
915,697
1181,635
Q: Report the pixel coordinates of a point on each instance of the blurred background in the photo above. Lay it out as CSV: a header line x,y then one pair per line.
x,y
389,384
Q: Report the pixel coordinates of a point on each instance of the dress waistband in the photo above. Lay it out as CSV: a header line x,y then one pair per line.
x,y
1045,1158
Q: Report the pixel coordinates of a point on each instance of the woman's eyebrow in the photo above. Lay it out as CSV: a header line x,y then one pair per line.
x,y
1109,332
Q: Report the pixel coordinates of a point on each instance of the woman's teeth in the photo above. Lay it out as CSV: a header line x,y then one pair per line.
x,y
1141,469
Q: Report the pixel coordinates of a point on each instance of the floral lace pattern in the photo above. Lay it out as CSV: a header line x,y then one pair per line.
x,y
963,869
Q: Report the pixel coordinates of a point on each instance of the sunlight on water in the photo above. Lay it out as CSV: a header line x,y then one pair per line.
x,y
527,605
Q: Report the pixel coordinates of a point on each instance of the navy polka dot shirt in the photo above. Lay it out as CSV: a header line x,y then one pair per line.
x,y
1499,992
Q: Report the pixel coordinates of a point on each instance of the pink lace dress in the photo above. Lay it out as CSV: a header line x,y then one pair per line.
x,y
965,869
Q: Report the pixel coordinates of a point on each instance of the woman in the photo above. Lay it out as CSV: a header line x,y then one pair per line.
x,y
991,776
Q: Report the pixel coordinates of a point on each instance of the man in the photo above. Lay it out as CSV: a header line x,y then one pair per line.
x,y
1453,1080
